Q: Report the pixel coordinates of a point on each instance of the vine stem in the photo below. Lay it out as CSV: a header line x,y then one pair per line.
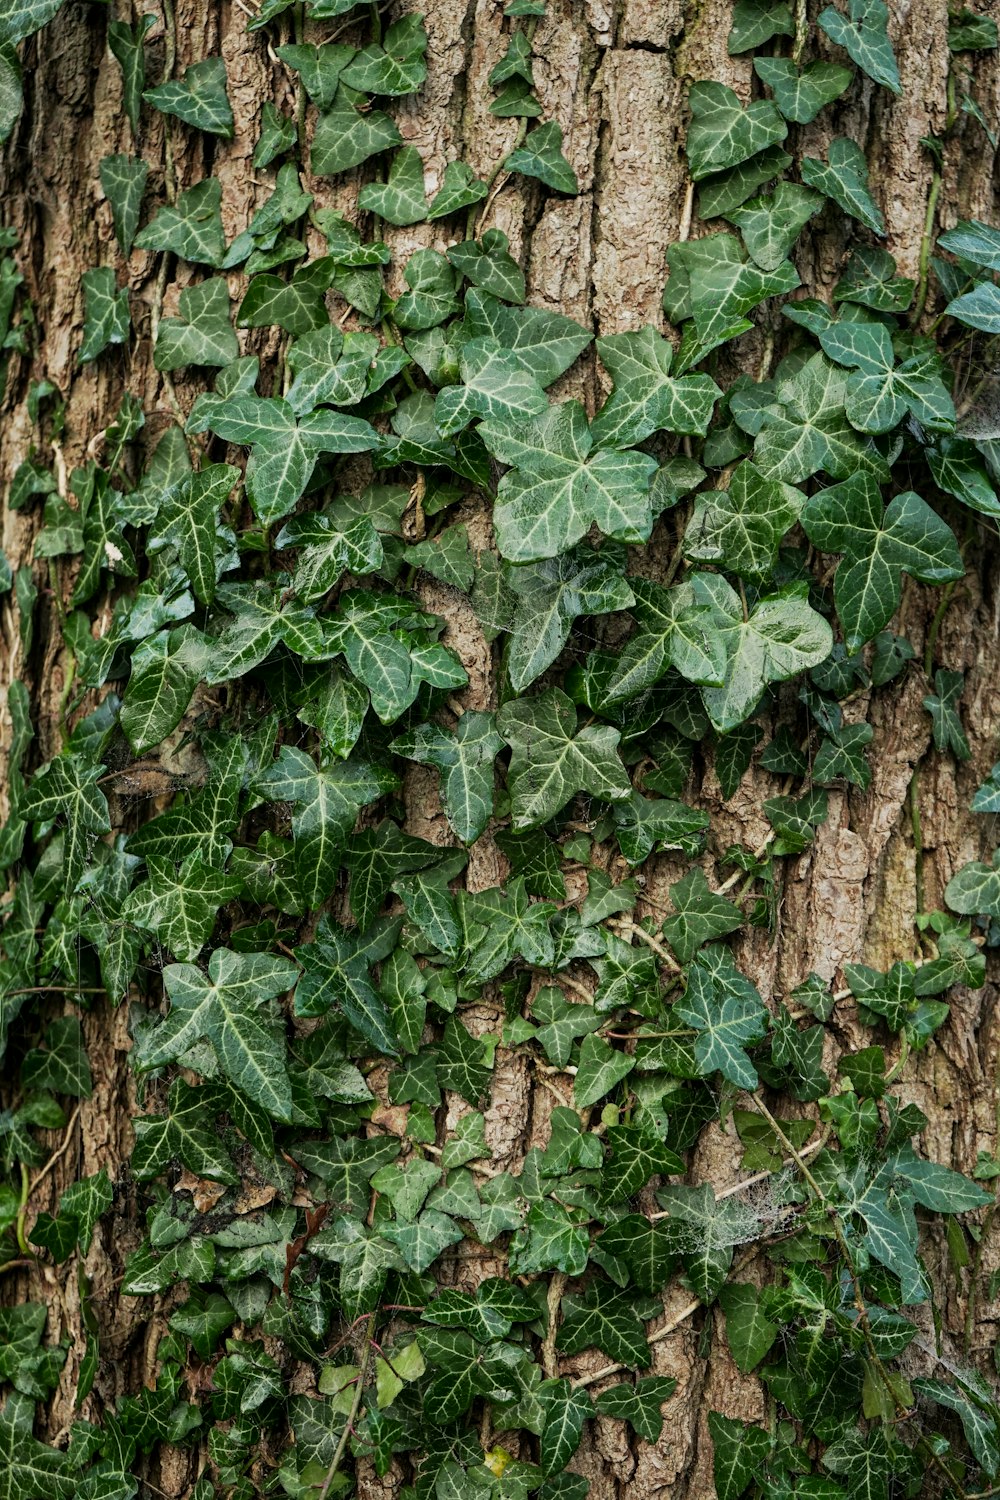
x,y
341,1448
920,301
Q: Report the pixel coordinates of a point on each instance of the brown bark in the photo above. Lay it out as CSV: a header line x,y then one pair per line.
x,y
613,73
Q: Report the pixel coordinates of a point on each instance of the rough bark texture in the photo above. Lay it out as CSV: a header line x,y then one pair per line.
x,y
613,73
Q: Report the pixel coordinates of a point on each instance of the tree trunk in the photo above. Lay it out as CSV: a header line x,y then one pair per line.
x,y
615,76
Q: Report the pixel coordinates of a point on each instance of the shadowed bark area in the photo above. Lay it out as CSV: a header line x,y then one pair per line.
x,y
614,75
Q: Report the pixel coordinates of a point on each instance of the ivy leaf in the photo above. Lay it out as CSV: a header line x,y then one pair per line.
x,y
344,138
204,822
107,319
675,630
298,306
565,1409
562,483
225,1008
460,188
637,1154
979,308
488,264
186,1133
546,598
865,39
394,67
285,451
975,889
756,22
879,546
166,669
552,1239
501,925
494,385
749,1332
639,1404
957,469
189,520
327,802
880,394
782,636
178,905
336,975
401,199
770,226
127,44
541,156
987,796
199,98
806,428
800,95
973,240
277,135
741,527
203,334
544,343
645,398
864,1460
29,1470
942,705
722,133
871,280
550,761
600,1069
191,227
700,915
844,178
979,1426
725,1022
123,179
466,760
606,1319
66,789
62,1067
432,292
738,1451
842,754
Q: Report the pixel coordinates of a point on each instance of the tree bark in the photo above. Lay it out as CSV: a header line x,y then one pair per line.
x,y
614,74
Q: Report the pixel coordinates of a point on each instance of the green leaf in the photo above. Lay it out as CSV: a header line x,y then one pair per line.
x,y
975,889
29,1470
401,199
107,319
277,135
842,754
645,398
203,334
749,1332
394,67
189,520
700,915
545,599
942,705
675,630
191,227
488,264
770,226
336,976
466,760
782,635
178,905
225,1008
127,44
801,94
880,394
973,240
166,669
741,527
502,925
725,1022
871,280
62,1067
806,428
66,789
544,343
460,188
879,546
562,483
550,761
980,1427
432,292
606,1319
636,1156
844,178
639,1404
123,179
738,1451
187,1133
327,802
552,1239
865,39
11,91
979,308
285,451
600,1069
199,98
541,156
565,1409
958,470
722,133
344,138
495,385
756,22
